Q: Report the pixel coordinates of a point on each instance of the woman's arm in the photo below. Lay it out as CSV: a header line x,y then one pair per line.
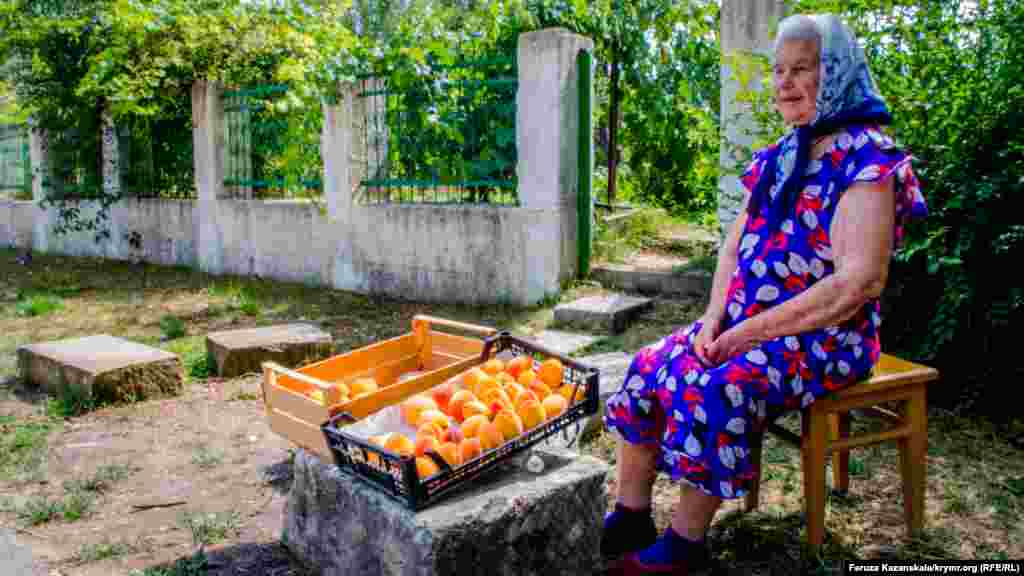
x,y
724,269
862,237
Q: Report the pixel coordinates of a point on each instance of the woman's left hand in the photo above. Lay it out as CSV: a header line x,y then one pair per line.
x,y
737,340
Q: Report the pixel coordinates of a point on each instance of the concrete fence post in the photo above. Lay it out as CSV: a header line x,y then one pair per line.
x,y
548,140
747,29
208,156
336,142
39,146
111,153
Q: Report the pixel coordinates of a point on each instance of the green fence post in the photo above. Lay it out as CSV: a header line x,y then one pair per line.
x,y
584,171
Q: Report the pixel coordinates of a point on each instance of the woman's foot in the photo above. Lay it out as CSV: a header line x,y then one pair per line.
x,y
627,530
670,554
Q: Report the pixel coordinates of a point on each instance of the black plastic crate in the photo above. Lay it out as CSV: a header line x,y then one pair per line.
x,y
396,476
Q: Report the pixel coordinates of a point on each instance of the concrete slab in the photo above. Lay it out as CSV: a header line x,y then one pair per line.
x,y
237,352
516,522
563,342
691,284
102,367
609,313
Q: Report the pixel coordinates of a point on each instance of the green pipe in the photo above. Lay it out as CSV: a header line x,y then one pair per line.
x,y
584,171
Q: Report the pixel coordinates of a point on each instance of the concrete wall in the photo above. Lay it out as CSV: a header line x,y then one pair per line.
x,y
747,27
16,219
468,253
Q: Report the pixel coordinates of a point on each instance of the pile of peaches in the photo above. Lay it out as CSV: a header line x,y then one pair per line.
x,y
480,410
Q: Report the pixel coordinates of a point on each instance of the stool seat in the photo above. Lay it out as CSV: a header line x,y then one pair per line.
x,y
825,430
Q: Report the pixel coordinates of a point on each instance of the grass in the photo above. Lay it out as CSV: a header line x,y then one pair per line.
x,y
38,305
22,447
207,529
73,401
206,458
101,481
194,358
101,551
171,327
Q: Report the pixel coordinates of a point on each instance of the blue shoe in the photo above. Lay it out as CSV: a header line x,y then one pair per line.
x,y
627,530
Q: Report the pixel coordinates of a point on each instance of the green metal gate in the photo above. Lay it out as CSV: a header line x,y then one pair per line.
x,y
15,166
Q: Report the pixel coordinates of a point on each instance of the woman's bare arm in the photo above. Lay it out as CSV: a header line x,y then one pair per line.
x,y
862,239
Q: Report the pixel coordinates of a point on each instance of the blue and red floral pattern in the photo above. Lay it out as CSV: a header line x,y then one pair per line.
x,y
699,416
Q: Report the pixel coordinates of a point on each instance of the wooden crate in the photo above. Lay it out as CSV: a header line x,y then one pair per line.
x,y
433,355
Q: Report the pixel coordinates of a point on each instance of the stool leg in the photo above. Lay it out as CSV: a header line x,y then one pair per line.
x,y
913,461
756,441
840,425
814,441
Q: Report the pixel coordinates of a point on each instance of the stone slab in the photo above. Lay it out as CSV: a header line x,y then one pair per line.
x,y
565,343
608,313
102,367
692,284
237,352
514,522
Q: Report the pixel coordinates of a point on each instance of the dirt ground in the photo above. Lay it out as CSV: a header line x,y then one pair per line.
x,y
206,452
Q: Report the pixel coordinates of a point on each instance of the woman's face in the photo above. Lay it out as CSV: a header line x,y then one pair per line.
x,y
796,77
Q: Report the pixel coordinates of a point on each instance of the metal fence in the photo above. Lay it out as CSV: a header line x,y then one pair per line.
x,y
272,139
447,138
156,155
15,165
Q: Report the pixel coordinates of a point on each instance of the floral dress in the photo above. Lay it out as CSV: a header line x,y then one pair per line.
x,y
700,416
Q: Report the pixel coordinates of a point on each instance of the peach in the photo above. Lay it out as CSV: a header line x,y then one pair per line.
x,y
540,389
518,365
554,405
471,427
566,392
318,395
472,378
425,444
442,396
469,449
493,366
498,405
532,413
526,377
459,400
413,407
425,467
485,384
450,452
452,434
509,423
342,388
523,396
363,386
429,429
494,395
400,444
490,437
551,371
473,408
513,389
381,441
436,417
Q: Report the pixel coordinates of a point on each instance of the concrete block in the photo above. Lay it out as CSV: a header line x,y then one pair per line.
x,y
102,367
563,342
611,313
693,284
237,352
512,522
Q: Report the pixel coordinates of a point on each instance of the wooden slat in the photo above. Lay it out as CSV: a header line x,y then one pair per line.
x,y
890,372
394,394
300,433
297,381
869,439
464,326
456,345
296,404
439,360
361,360
386,373
884,413
875,397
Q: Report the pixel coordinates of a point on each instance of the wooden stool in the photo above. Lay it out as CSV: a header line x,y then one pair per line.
x,y
825,429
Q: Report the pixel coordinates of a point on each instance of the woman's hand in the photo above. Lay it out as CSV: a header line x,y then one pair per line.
x,y
711,326
735,341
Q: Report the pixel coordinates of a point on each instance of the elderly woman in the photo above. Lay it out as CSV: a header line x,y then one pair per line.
x,y
794,307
